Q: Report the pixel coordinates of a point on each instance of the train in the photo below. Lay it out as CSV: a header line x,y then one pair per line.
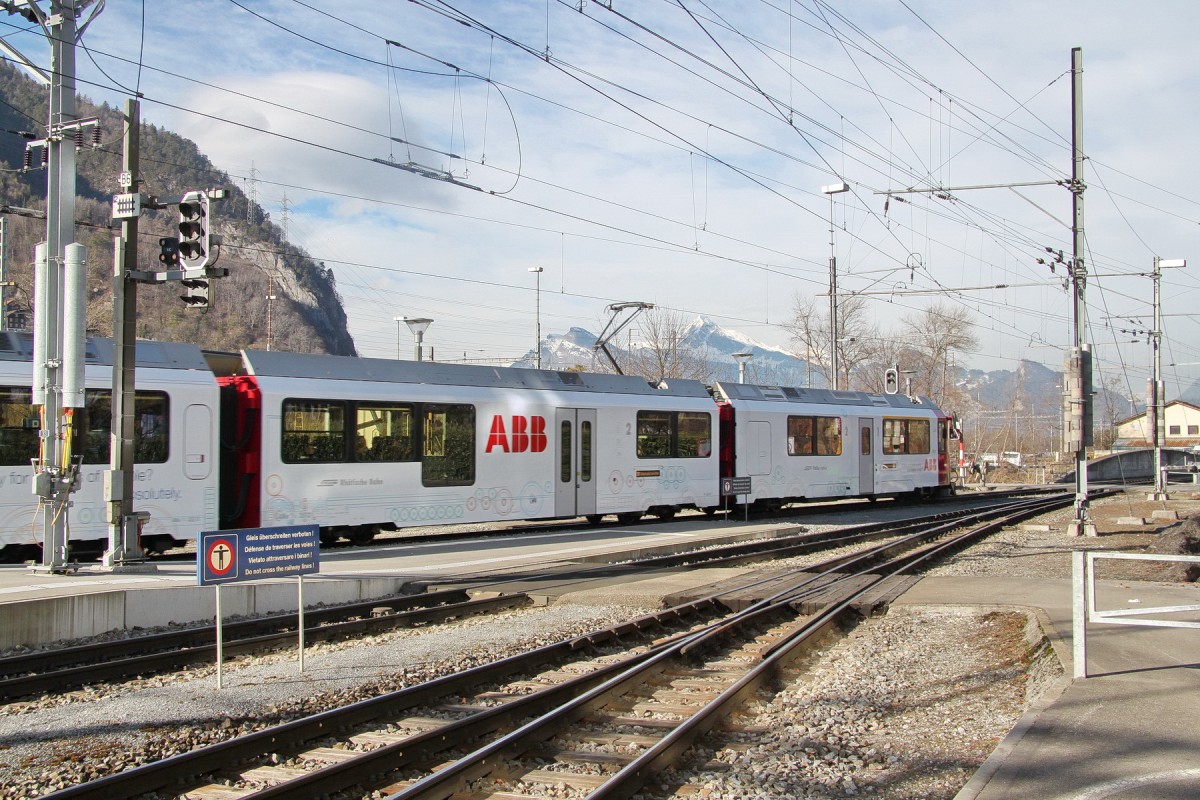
x,y
362,445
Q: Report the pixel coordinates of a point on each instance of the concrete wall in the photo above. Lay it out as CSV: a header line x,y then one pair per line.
x,y
38,621
1130,465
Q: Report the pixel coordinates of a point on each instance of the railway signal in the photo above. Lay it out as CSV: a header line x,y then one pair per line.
x,y
891,381
195,236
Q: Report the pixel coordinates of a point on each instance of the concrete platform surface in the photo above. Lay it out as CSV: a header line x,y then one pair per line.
x,y
1130,730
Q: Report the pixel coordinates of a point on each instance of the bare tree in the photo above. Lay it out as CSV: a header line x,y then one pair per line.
x,y
935,335
858,338
662,354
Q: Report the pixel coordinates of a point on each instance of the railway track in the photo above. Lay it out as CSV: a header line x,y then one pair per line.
x,y
65,668
648,689
451,533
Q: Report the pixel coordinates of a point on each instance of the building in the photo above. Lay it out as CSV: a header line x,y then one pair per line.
x,y
1182,428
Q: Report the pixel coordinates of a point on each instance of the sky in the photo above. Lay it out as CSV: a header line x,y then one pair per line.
x,y
674,152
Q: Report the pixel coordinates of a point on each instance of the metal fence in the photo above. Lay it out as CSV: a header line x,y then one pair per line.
x,y
1083,574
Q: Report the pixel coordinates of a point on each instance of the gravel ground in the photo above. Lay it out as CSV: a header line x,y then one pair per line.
x,y
907,705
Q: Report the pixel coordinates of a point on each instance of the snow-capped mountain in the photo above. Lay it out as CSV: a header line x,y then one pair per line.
x,y
702,339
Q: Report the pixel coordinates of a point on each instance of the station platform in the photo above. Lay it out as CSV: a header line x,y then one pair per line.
x,y
37,607
1128,731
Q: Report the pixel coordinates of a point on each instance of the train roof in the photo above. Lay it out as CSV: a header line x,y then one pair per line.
x,y
273,364
791,394
18,346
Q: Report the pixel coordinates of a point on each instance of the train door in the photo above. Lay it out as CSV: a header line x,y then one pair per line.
x,y
866,456
575,478
197,441
758,450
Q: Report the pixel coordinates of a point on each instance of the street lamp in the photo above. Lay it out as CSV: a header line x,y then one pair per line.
x,y
1158,401
831,190
742,358
418,326
538,316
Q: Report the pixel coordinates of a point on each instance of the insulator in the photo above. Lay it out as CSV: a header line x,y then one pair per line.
x,y
96,135
78,133
27,162
46,155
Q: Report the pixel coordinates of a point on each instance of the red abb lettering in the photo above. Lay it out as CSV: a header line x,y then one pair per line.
x,y
537,434
520,435
528,434
497,438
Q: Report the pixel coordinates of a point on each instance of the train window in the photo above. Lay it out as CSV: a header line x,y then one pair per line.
x,y
800,436
829,436
918,436
564,436
901,436
384,433
314,431
820,436
694,436
93,427
654,434
448,452
585,451
674,434
864,443
19,425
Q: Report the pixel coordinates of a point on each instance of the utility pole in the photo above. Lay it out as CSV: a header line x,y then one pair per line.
x,y
60,271
1079,416
1156,408
124,546
834,365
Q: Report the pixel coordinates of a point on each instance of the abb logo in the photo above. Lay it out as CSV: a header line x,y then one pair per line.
x,y
528,435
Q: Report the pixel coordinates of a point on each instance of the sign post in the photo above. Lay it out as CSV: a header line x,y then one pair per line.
x,y
255,554
731,487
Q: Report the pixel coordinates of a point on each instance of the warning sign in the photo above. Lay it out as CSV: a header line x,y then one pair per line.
x,y
220,556
257,553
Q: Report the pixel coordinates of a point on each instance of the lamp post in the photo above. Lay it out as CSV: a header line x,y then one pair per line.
x,y
418,326
1156,411
831,190
538,316
742,358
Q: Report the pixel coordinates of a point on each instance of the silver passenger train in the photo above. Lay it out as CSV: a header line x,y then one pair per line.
x,y
360,445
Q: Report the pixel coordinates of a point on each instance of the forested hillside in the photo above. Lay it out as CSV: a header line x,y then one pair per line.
x,y
307,314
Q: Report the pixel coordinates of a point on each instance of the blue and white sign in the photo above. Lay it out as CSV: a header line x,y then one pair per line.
x,y
257,553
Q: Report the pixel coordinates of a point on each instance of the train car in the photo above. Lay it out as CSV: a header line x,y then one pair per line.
x,y
176,472
806,444
359,445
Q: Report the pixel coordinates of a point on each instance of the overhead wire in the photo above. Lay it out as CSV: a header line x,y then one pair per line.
x,y
489,84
